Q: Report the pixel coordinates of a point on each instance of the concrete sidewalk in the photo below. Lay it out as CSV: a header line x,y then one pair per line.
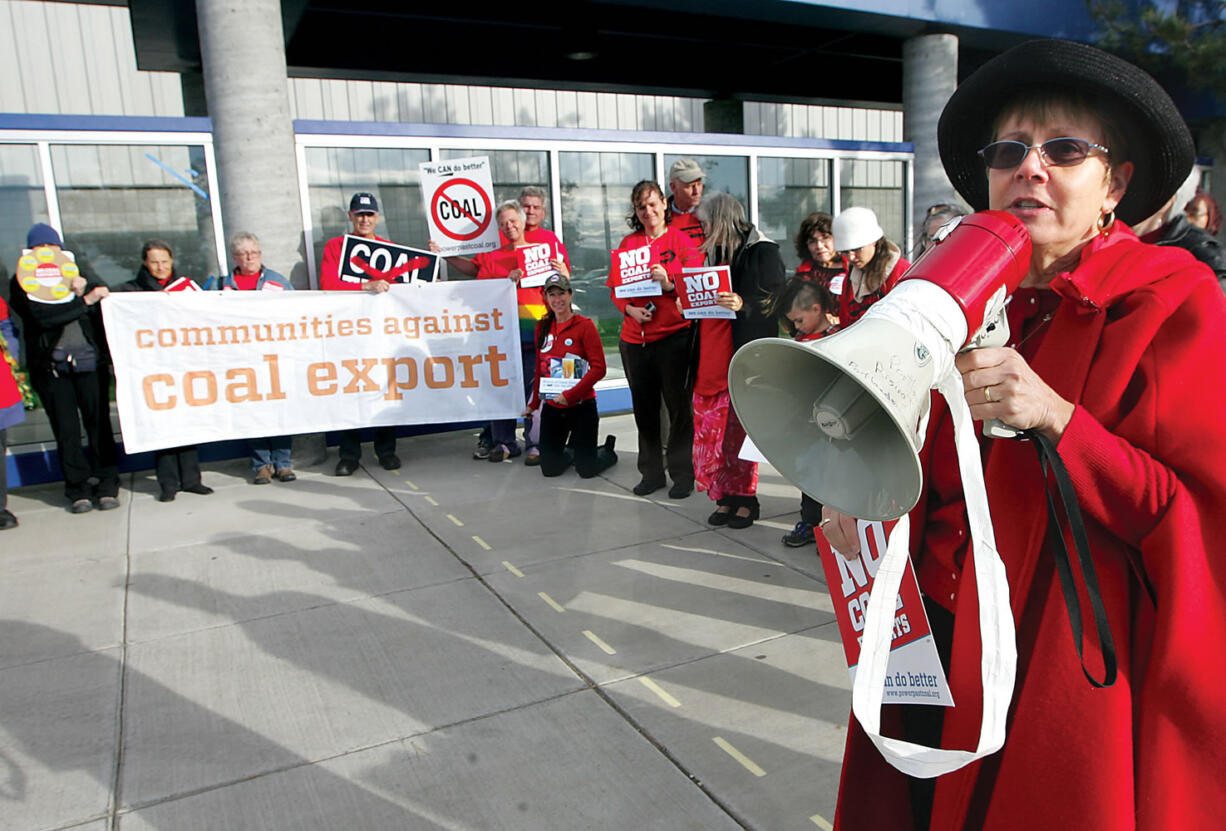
x,y
456,645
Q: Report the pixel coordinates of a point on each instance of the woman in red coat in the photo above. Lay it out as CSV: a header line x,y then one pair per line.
x,y
874,264
656,345
1114,356
570,423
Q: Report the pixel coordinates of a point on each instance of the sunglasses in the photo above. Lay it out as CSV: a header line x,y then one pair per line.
x,y
1056,152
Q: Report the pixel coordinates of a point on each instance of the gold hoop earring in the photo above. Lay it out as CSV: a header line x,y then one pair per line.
x,y
1105,221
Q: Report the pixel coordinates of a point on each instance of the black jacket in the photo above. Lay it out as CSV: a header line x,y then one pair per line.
x,y
1204,247
42,324
758,275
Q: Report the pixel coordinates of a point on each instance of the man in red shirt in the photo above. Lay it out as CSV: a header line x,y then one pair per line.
x,y
364,214
685,180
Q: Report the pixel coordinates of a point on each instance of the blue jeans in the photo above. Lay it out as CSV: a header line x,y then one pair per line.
x,y
502,431
271,451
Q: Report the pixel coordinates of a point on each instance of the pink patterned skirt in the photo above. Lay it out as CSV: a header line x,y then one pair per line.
x,y
718,437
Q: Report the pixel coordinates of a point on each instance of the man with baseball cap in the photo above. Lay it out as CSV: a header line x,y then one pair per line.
x,y
685,180
364,214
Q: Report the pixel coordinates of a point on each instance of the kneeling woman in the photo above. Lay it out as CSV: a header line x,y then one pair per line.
x,y
569,421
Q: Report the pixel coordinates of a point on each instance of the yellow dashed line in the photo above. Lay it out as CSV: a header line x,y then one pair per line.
x,y
483,543
821,822
660,691
410,484
745,761
430,499
453,518
591,636
513,569
552,603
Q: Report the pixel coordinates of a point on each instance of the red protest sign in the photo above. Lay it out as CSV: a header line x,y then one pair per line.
x,y
698,290
630,272
534,262
914,672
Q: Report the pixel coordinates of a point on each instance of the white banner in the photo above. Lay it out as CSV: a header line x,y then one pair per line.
x,y
201,367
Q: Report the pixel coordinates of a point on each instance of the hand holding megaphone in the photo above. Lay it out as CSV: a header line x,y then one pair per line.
x,y
844,418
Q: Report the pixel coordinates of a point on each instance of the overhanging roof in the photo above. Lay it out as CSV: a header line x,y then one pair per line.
x,y
774,50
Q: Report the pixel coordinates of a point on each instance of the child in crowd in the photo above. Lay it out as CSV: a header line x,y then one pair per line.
x,y
569,421
807,311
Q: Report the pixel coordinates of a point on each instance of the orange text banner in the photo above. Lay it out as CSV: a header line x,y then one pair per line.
x,y
206,366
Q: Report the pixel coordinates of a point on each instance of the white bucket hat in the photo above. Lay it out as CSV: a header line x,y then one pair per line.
x,y
855,228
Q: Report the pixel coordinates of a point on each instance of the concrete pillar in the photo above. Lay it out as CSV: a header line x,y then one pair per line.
x,y
1211,145
242,48
723,115
929,78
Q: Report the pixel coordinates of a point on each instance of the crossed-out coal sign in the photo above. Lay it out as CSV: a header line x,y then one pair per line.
x,y
371,259
460,205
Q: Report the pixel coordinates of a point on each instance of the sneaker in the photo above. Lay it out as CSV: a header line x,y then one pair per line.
x,y
263,476
108,503
800,536
7,520
482,452
285,475
81,506
533,458
346,467
497,454
389,462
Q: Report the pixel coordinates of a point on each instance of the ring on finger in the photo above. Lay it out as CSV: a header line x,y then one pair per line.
x,y
987,395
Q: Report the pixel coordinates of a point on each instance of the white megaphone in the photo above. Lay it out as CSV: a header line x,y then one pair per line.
x,y
843,418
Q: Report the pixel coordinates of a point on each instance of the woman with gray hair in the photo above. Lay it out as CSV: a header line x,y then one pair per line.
x,y
270,455
757,273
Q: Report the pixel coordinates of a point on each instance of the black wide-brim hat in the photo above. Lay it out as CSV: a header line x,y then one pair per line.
x,y
1159,144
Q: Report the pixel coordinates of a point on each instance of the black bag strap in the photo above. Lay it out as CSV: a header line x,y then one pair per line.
x,y
1053,468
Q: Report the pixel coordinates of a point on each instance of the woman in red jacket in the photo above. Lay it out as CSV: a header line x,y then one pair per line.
x,y
12,405
568,353
874,264
656,345
757,274
1114,357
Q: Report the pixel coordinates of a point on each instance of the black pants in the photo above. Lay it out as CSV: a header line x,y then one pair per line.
x,y
810,509
577,427
4,472
177,468
74,401
350,443
658,373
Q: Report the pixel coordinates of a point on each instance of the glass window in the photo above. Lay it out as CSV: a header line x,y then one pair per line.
x,y
788,191
595,203
727,173
114,197
512,171
879,185
22,203
335,174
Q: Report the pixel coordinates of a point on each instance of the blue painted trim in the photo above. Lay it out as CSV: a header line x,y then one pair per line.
x,y
477,132
38,467
118,123
104,123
